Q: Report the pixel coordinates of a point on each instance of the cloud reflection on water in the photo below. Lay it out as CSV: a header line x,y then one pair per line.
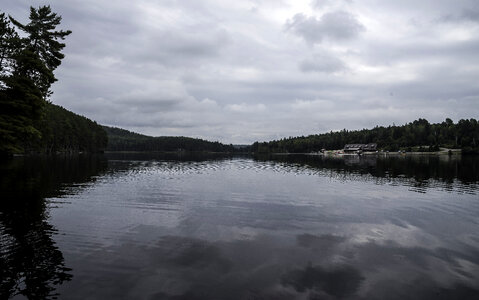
x,y
304,266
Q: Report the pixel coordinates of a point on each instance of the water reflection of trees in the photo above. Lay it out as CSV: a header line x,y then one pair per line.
x,y
30,262
419,172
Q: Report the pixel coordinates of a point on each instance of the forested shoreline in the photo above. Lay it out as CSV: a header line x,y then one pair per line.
x,y
419,135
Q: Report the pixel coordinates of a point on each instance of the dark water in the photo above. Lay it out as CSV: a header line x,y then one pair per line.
x,y
290,227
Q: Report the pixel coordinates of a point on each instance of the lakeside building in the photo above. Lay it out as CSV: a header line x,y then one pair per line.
x,y
354,148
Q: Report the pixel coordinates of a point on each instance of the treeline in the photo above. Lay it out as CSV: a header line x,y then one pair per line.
x,y
124,140
419,135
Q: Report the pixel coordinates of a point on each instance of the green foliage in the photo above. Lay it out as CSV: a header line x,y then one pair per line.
x,y
124,140
419,135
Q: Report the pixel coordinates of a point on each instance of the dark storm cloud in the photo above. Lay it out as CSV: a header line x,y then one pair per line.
x,y
257,70
338,25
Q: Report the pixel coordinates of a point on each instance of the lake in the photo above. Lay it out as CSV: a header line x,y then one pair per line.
x,y
152,226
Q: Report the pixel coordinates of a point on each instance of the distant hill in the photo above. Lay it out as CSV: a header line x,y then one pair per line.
x,y
124,140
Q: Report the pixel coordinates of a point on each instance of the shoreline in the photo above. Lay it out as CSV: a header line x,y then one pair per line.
x,y
454,152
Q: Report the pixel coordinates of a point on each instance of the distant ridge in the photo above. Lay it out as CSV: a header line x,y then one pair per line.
x,y
125,140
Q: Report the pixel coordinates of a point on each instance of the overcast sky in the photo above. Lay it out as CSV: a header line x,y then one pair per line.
x,y
245,71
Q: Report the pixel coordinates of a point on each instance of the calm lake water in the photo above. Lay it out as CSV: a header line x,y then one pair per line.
x,y
289,227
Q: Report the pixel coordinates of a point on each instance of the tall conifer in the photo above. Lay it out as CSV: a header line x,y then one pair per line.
x,y
27,66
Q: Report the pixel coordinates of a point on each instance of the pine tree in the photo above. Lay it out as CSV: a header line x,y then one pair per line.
x,y
9,44
11,122
27,66
42,50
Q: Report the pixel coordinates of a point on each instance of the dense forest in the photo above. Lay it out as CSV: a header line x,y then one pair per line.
x,y
64,131
124,140
419,135
29,53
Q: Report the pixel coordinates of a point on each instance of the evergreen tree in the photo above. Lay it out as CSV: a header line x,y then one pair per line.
x,y
41,47
13,123
9,43
27,66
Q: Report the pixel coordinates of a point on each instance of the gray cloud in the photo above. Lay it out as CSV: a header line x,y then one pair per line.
x,y
467,12
338,25
471,14
467,15
320,4
322,63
